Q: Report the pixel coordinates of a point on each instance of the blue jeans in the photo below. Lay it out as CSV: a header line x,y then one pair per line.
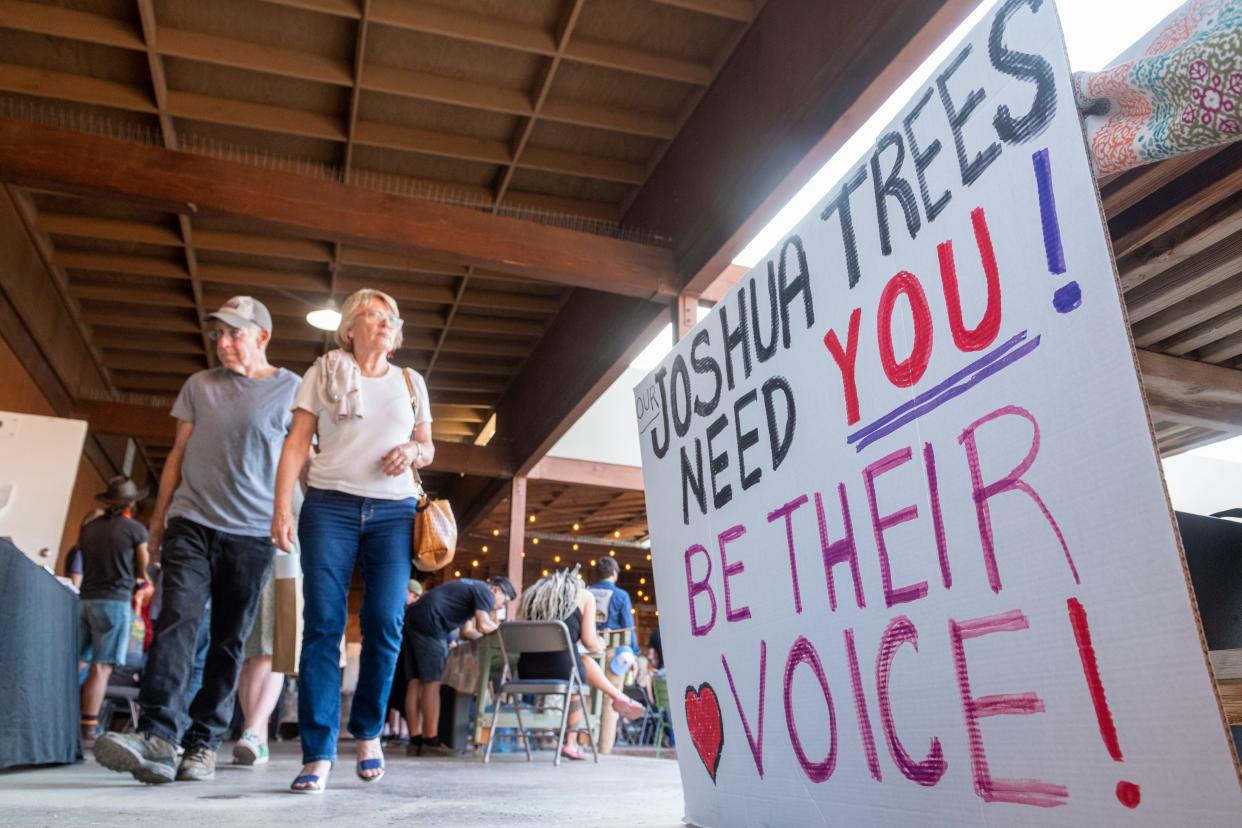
x,y
335,530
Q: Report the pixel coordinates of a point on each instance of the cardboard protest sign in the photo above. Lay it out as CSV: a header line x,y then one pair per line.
x,y
914,555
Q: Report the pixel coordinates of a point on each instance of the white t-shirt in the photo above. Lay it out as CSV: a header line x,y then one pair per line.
x,y
350,451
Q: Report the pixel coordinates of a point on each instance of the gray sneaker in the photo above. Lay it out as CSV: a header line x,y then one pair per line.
x,y
197,765
149,758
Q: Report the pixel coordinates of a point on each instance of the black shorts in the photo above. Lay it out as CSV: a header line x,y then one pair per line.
x,y
423,655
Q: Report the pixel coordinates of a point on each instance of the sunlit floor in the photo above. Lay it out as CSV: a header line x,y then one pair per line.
x,y
457,791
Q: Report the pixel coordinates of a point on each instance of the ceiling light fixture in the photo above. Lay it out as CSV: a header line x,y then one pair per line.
x,y
325,319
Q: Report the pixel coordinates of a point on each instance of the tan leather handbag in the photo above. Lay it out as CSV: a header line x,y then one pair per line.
x,y
435,529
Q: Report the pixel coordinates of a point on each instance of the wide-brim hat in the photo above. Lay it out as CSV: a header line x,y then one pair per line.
x,y
121,490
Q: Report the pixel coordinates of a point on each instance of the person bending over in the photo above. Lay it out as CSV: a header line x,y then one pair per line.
x,y
430,621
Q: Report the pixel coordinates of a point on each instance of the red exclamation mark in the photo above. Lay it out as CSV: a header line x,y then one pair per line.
x,y
1127,792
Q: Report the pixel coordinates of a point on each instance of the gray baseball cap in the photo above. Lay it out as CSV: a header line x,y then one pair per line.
x,y
241,311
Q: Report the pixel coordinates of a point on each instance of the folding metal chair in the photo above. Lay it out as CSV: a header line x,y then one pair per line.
x,y
659,689
517,637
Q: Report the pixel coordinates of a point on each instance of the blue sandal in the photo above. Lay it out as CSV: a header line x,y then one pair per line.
x,y
314,786
369,765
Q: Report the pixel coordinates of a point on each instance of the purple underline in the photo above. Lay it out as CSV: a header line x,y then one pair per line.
x,y
931,399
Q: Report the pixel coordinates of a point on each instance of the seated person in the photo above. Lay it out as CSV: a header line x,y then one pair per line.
x,y
429,623
562,596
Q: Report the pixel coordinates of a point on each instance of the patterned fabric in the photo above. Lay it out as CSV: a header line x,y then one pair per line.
x,y
1177,90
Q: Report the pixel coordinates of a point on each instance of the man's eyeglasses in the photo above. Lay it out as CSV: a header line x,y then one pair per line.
x,y
379,316
216,334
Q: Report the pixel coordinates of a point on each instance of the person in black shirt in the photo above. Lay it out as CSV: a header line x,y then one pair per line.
x,y
114,547
429,622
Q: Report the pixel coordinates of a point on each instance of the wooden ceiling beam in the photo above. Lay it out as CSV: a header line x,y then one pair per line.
x,y
41,18
587,473
425,86
1184,316
106,229
34,155
801,80
109,229
337,8
1205,334
1187,279
120,263
524,37
488,98
742,11
265,117
258,277
1188,239
1192,393
124,336
270,247
637,61
63,86
159,84
1227,347
254,57
429,19
1210,182
147,295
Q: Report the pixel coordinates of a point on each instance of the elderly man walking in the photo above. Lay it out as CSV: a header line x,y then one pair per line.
x,y
211,533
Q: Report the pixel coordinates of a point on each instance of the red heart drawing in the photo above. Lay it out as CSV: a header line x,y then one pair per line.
x,y
706,728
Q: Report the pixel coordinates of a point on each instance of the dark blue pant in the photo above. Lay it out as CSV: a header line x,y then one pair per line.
x,y
335,530
198,564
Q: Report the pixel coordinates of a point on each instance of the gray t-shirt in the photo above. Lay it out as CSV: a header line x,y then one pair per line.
x,y
228,476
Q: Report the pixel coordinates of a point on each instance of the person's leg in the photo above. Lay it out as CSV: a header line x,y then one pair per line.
x,y
413,711
186,587
328,531
621,703
384,553
429,706
93,691
264,690
239,569
106,625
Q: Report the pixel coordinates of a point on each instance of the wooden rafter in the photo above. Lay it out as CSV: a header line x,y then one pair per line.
x,y
159,86
185,183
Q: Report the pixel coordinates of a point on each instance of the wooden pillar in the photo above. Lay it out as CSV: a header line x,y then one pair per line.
x,y
685,314
517,535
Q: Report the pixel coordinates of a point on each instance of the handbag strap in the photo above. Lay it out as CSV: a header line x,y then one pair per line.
x,y
409,384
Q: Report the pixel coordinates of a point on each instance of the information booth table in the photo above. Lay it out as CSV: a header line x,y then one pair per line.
x,y
39,654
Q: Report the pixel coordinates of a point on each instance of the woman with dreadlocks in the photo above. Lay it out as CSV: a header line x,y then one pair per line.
x,y
562,596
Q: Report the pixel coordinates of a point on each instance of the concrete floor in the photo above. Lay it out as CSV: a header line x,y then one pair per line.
x,y
457,791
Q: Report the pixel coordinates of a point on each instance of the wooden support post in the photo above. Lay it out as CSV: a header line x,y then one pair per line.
x,y
685,314
517,535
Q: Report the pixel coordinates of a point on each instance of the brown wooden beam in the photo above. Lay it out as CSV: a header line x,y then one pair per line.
x,y
584,351
804,77
587,473
1192,393
190,184
517,530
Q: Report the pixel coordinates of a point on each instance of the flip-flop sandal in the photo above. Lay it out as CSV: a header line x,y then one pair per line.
x,y
570,753
368,765
314,786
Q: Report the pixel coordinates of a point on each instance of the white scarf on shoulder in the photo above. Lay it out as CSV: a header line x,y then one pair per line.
x,y
340,385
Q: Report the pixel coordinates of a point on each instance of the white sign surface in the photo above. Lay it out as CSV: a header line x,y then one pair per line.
x,y
914,556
